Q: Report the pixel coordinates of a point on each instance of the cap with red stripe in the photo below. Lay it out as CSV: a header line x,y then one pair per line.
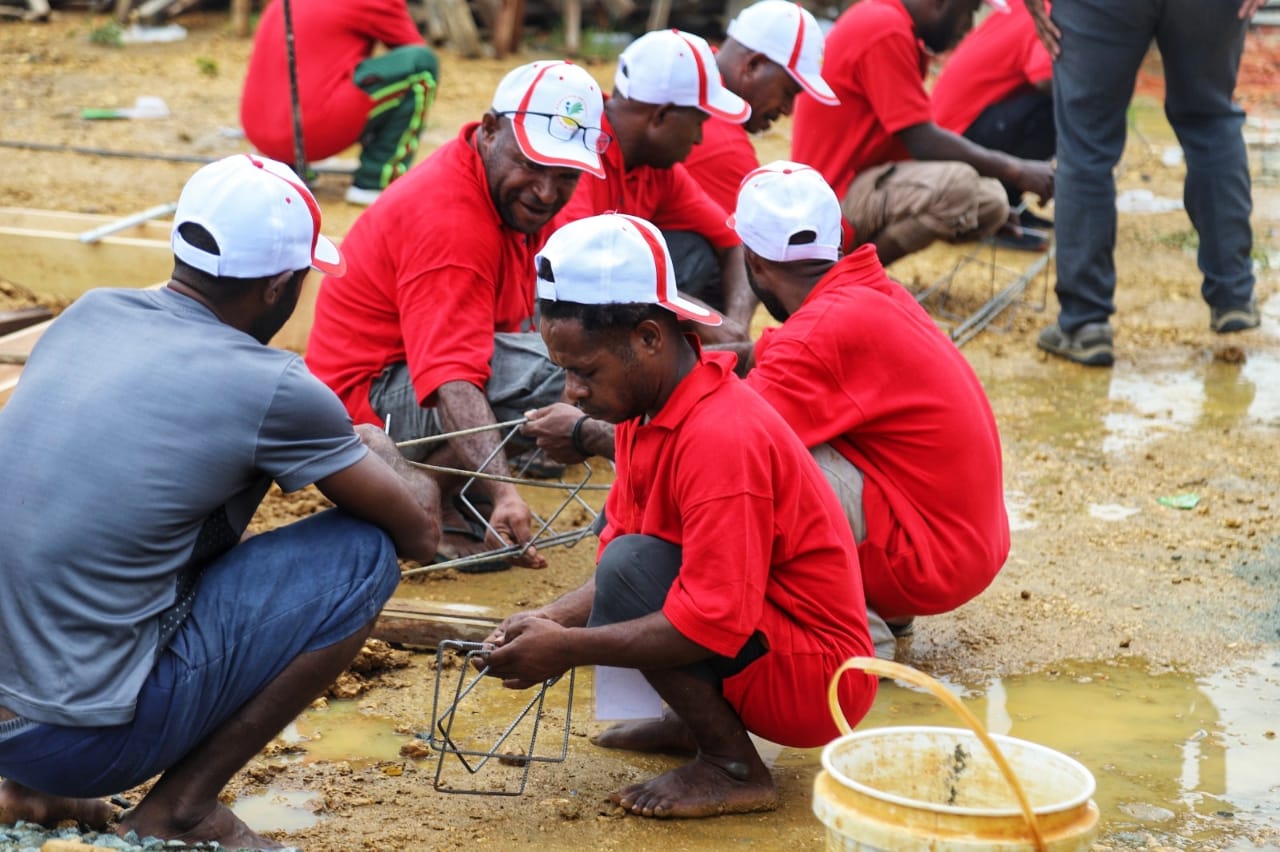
x,y
613,259
553,91
262,217
790,36
675,67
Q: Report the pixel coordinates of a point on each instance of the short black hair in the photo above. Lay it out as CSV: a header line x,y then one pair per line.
x,y
607,324
215,286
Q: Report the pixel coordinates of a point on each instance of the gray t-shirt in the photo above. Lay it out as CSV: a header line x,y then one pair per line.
x,y
139,417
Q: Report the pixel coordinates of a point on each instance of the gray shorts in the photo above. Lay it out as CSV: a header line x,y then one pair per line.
x,y
521,377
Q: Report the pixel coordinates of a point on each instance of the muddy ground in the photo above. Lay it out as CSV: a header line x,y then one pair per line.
x,y
1099,571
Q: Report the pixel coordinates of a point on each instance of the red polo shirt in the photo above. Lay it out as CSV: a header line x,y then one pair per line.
x,y
861,366
764,544
721,160
876,66
330,39
1001,56
432,273
669,198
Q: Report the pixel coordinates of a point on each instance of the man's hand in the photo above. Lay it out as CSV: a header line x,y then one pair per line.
x,y
552,426
1034,176
513,520
533,650
1050,35
729,331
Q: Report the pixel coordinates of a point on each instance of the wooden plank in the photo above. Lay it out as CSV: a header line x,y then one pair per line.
x,y
240,10
659,14
17,343
510,28
462,27
11,321
572,26
424,623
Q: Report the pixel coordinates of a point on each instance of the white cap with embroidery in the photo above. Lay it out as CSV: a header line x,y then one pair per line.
x,y
555,109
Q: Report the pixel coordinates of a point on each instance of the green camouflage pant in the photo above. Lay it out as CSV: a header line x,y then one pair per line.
x,y
402,83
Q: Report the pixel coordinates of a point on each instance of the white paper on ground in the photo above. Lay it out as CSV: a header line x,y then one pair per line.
x,y
624,694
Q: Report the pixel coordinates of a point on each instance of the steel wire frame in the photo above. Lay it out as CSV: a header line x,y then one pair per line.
x,y
440,737
545,534
963,328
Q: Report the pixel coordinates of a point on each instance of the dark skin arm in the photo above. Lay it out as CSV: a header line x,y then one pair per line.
x,y
462,405
384,489
928,141
739,301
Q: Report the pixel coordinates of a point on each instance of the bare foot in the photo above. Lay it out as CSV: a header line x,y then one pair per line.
x,y
668,735
219,824
457,538
22,803
702,788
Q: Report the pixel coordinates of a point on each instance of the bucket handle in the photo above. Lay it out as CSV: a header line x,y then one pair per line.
x,y
897,671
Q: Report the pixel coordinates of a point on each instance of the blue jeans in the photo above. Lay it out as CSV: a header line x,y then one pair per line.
x,y
1103,44
300,588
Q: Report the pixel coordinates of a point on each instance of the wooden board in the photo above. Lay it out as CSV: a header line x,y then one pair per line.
x,y
427,623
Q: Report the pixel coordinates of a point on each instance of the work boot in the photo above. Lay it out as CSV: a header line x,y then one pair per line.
x,y
1090,344
1230,320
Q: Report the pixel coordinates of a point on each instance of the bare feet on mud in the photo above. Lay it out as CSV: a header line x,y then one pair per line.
x,y
219,824
459,536
668,735
22,803
703,787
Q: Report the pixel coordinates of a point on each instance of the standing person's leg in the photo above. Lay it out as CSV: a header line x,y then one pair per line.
x,y
1201,44
402,84
1103,44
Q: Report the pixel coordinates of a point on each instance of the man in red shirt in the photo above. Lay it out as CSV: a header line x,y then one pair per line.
x,y
904,180
434,333
344,95
997,90
666,86
727,575
887,404
772,53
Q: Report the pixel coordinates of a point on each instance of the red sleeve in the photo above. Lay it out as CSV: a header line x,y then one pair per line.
x,y
385,21
721,161
685,206
728,524
890,74
1039,65
447,323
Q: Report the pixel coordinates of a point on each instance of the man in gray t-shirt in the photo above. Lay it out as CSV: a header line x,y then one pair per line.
x,y
141,634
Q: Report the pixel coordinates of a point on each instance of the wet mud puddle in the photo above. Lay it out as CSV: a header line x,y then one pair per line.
x,y
1189,762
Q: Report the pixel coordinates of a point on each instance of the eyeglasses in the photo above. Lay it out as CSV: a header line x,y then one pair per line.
x,y
565,128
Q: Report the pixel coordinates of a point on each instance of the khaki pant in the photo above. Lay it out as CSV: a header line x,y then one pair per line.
x,y
903,207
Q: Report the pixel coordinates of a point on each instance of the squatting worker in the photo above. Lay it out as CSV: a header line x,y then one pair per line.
x,y
665,88
432,324
887,404
147,426
345,93
727,574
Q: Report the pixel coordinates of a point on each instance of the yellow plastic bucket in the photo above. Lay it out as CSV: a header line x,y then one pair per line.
x,y
936,788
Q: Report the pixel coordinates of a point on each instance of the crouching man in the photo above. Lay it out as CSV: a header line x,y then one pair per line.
x,y
727,574
141,636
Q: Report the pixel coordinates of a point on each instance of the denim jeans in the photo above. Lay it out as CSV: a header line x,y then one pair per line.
x,y
1103,45
281,594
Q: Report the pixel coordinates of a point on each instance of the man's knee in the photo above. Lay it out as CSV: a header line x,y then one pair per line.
x,y
632,578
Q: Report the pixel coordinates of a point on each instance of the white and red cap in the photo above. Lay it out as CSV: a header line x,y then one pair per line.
x,y
568,95
675,67
613,259
780,200
789,35
261,215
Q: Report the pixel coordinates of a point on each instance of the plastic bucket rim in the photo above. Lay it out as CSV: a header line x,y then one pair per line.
x,y
1090,783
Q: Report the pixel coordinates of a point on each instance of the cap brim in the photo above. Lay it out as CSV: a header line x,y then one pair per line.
x,y
327,259
685,309
816,88
724,104
545,150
